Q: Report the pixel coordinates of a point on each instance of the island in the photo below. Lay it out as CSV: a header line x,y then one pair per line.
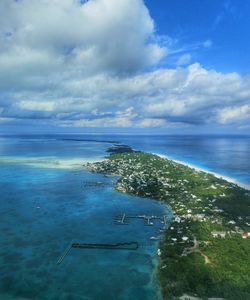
x,y
205,252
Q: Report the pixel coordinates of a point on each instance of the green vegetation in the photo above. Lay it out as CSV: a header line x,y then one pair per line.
x,y
206,250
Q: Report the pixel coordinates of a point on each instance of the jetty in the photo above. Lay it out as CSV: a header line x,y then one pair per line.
x,y
116,246
119,246
66,251
123,219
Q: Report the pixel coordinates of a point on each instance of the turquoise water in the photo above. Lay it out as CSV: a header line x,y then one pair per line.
x,y
48,200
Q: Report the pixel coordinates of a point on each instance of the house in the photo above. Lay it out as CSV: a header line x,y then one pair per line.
x,y
199,217
245,234
177,219
221,234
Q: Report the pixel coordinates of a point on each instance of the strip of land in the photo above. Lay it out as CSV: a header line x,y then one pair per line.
x,y
206,250
229,179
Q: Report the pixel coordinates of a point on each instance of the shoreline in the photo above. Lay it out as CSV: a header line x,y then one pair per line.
x,y
202,219
199,169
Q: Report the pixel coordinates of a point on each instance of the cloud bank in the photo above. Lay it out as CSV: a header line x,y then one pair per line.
x,y
97,64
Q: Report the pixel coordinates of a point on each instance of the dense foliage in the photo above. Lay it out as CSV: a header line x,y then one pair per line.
x,y
206,251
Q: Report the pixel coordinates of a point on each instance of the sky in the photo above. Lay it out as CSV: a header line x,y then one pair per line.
x,y
125,66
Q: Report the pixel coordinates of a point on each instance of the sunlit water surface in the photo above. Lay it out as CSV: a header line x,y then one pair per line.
x,y
48,200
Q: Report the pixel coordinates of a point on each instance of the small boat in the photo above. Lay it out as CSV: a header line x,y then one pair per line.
x,y
154,238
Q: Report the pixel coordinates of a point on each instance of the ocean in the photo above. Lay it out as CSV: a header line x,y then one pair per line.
x,y
222,154
48,199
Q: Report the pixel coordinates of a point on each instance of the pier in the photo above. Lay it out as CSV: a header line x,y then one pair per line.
x,y
119,246
92,184
60,260
116,246
123,219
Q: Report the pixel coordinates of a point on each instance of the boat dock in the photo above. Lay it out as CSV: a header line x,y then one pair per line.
x,y
123,219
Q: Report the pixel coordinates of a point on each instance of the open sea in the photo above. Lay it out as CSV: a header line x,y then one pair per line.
x,y
48,199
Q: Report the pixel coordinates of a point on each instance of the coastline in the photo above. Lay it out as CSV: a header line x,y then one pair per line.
x,y
197,198
199,169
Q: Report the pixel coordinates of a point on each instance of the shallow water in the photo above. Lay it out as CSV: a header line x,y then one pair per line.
x,y
44,207
45,203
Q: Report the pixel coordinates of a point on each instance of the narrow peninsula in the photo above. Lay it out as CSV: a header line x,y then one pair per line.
x,y
205,253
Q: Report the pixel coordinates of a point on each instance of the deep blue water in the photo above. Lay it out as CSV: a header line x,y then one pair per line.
x,y
45,204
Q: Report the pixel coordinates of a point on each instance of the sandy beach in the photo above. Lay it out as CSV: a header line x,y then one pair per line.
x,y
229,179
49,162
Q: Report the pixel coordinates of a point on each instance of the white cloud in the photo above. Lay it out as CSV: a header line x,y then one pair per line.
x,y
89,66
34,105
151,123
6,120
191,95
234,114
101,35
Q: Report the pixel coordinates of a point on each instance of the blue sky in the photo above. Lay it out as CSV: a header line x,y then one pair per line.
x,y
127,66
225,23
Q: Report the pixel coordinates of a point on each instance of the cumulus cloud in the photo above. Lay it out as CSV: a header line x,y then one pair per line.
x,y
234,114
127,118
101,35
89,65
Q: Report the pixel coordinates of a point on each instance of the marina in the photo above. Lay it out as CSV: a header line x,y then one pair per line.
x,y
122,219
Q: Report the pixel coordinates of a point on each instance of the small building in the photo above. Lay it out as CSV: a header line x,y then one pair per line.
x,y
199,216
221,234
245,234
177,219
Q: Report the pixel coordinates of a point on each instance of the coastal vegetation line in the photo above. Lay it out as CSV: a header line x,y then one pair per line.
x,y
206,250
